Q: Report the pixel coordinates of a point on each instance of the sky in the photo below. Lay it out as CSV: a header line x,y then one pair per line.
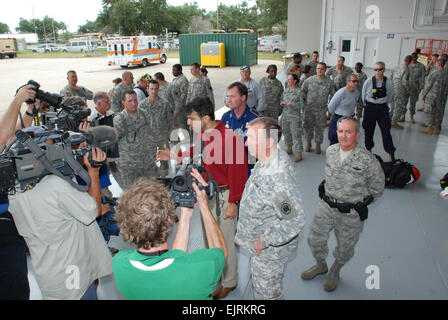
x,y
76,12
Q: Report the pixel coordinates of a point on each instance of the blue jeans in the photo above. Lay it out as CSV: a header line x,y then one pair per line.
x,y
14,272
90,293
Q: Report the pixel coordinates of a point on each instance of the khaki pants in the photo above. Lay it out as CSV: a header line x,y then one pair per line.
x,y
229,276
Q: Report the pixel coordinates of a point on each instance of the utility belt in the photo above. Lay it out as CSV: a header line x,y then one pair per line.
x,y
345,207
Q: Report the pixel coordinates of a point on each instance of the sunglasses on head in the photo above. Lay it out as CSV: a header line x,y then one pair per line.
x,y
378,69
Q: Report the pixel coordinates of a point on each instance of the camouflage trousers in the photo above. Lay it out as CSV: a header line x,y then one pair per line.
x,y
413,98
399,105
130,175
229,276
181,121
359,109
267,277
441,111
292,131
314,123
431,108
271,112
347,228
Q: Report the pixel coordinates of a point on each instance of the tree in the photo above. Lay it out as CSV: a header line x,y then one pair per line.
x,y
4,28
44,28
235,17
89,27
273,13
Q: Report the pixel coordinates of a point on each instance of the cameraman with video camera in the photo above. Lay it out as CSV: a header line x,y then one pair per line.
x,y
57,221
146,214
13,266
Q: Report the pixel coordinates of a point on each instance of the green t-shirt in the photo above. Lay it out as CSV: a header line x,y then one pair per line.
x,y
175,275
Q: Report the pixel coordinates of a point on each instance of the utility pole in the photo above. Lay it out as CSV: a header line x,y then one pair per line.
x,y
52,25
34,22
45,34
217,14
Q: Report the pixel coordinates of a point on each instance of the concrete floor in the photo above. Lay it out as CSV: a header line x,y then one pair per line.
x,y
405,238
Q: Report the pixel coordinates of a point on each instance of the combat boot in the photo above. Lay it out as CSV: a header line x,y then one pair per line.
x,y
411,119
289,150
401,118
317,148
428,130
298,157
437,130
308,146
311,273
333,277
396,125
421,109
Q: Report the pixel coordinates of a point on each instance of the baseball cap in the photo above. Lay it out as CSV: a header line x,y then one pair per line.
x,y
39,134
245,68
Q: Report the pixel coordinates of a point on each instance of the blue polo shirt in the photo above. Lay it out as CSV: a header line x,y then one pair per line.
x,y
239,125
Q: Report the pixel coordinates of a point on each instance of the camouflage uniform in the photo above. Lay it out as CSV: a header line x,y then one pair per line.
x,y
180,90
416,82
136,152
339,79
362,77
272,93
291,121
276,217
200,87
313,67
81,92
116,96
434,93
315,96
444,95
166,93
292,63
351,181
160,119
400,78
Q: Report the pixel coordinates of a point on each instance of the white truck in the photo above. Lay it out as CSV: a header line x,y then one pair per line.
x,y
134,51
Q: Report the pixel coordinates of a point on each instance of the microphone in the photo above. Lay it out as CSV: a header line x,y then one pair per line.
x,y
102,136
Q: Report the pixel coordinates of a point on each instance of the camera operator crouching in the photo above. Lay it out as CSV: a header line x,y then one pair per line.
x,y
67,250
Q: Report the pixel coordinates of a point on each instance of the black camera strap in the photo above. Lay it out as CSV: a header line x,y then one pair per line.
x,y
25,139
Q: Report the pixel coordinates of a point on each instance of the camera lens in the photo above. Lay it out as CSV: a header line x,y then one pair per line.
x,y
179,182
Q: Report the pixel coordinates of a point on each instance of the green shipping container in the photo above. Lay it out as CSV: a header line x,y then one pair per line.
x,y
241,48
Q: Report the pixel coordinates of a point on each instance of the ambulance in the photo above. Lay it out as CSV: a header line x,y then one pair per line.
x,y
134,51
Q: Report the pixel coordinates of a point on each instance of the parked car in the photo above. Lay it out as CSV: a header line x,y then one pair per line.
x,y
80,46
47,47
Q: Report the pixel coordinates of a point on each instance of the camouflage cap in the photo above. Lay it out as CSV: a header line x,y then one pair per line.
x,y
146,77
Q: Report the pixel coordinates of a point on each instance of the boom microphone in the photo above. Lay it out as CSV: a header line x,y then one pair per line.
x,y
102,136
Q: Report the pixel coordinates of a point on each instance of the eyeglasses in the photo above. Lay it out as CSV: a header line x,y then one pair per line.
x,y
354,80
378,69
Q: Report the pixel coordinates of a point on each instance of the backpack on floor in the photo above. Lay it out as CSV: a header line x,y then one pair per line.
x,y
398,173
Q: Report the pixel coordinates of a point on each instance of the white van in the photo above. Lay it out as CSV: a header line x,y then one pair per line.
x,y
80,46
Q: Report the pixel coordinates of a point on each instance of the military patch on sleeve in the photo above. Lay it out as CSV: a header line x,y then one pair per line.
x,y
285,206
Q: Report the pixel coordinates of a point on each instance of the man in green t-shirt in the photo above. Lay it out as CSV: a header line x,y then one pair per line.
x,y
145,216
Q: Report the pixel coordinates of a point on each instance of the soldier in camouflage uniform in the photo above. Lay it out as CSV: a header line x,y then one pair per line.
x,y
292,118
199,86
134,136
441,107
433,95
72,89
180,90
339,73
160,119
272,90
313,63
165,90
352,175
117,92
362,77
296,61
269,222
431,67
316,92
416,82
400,78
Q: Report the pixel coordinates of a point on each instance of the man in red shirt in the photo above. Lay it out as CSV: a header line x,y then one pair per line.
x,y
224,157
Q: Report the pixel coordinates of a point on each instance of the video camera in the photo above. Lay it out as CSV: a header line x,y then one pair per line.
x,y
181,185
26,161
